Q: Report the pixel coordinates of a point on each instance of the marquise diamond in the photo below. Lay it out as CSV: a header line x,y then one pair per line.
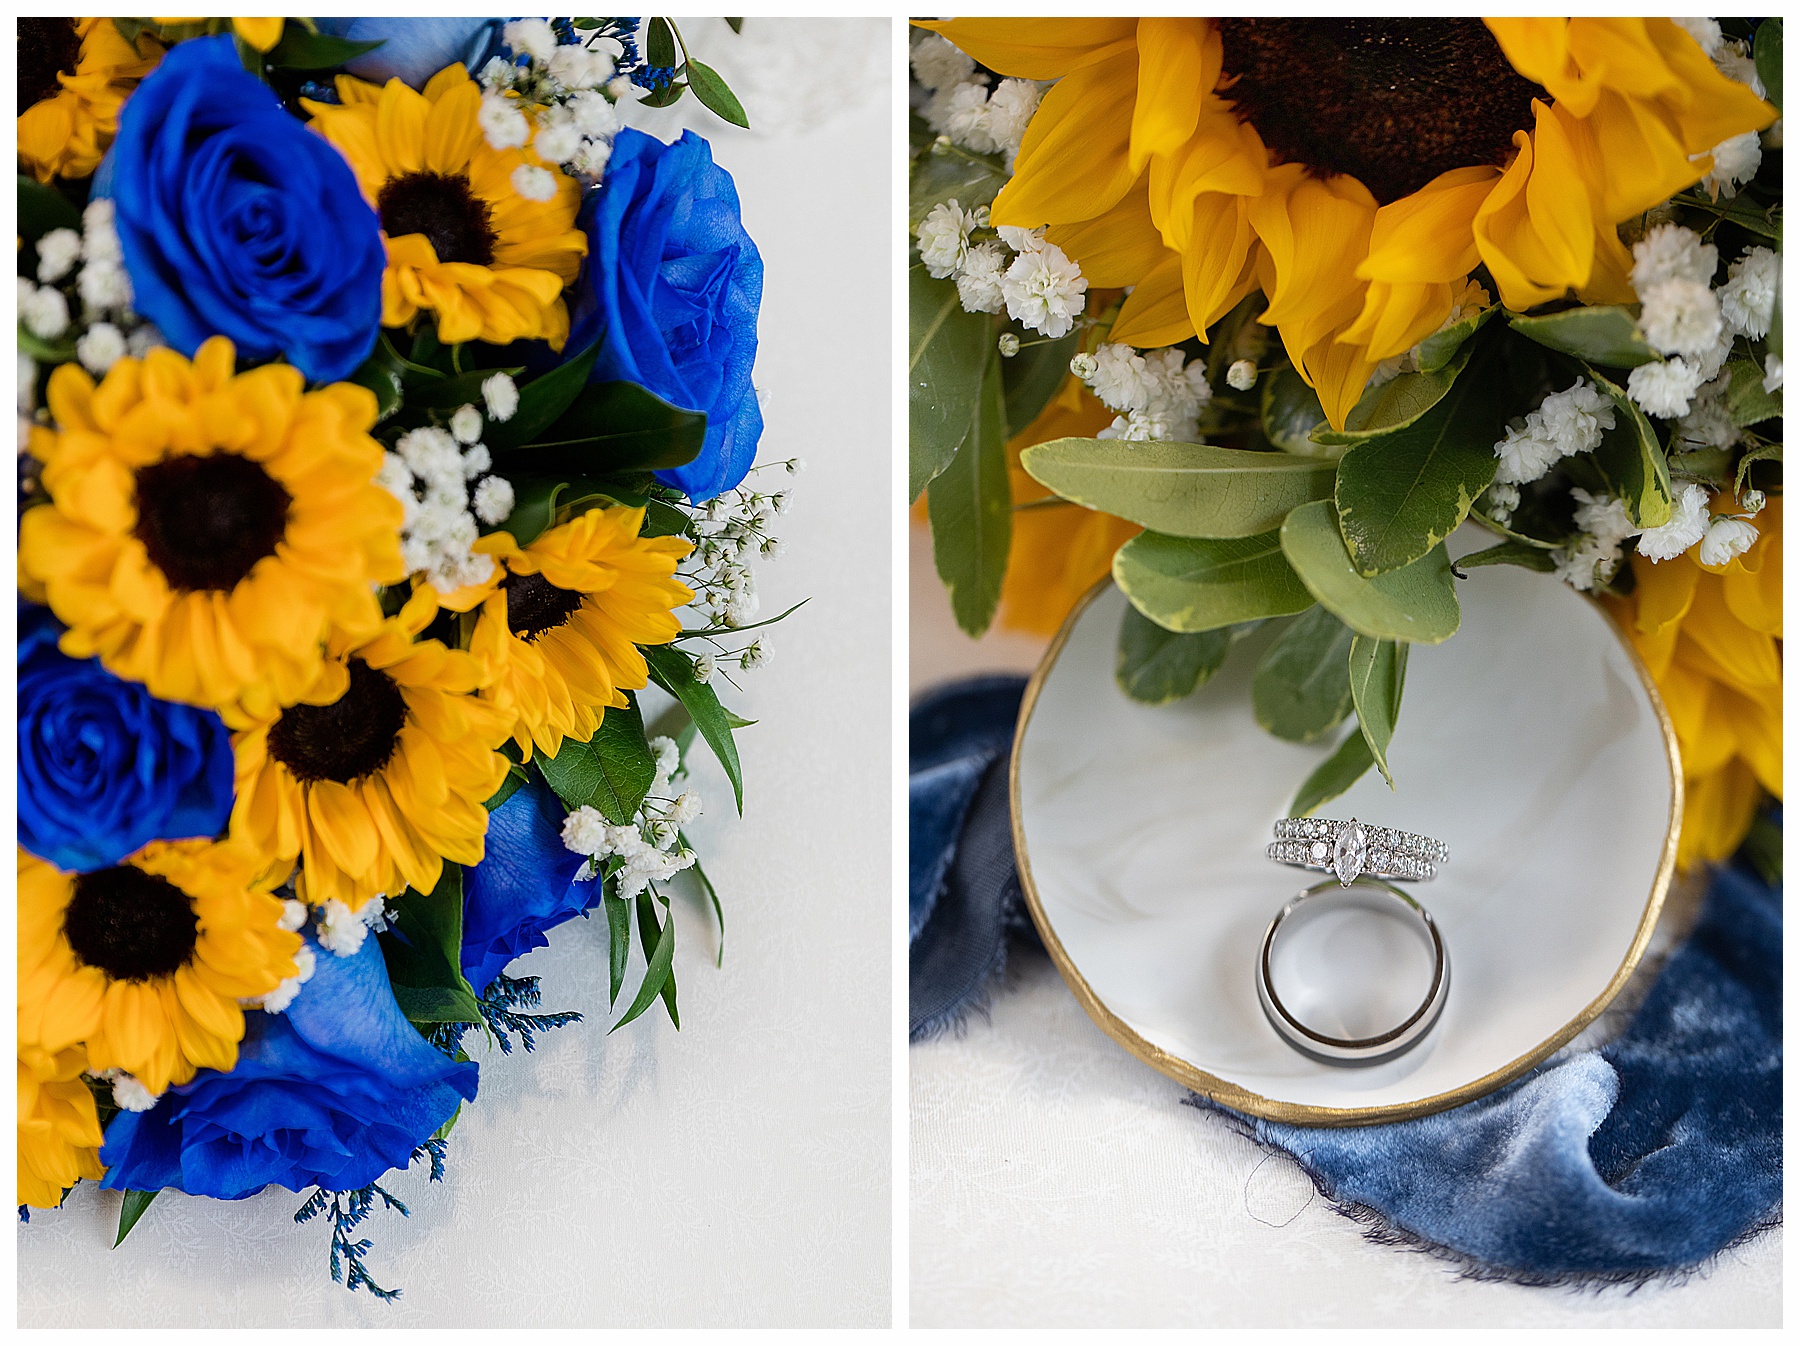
x,y
1350,852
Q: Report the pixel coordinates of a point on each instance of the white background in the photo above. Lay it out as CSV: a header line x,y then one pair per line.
x,y
736,1172
1056,1180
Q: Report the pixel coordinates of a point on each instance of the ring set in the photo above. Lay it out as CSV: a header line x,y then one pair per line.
x,y
1361,858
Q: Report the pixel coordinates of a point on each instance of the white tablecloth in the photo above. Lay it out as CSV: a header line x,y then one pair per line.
x,y
1058,1181
736,1172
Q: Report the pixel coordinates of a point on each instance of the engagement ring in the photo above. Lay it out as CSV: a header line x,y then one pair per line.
x,y
1352,849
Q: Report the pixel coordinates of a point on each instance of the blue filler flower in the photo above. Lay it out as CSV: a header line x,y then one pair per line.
x,y
333,1092
104,767
675,283
413,50
523,887
236,220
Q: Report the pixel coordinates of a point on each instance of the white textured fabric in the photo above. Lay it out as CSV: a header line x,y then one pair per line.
x,y
736,1172
1058,1181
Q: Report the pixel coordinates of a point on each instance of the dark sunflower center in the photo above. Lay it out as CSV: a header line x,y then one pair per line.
x,y
443,208
534,605
46,47
1392,102
206,522
131,925
353,736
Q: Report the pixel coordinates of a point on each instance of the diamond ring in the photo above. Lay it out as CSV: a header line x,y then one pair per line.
x,y
1350,849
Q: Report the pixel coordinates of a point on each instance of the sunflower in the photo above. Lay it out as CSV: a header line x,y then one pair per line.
x,y
1711,637
74,75
59,1128
1356,170
262,33
204,530
561,619
144,963
461,240
379,774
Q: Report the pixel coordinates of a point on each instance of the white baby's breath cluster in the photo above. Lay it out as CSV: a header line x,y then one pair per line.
x,y
1156,394
649,848
1691,324
128,1090
959,105
293,917
444,482
1566,422
1013,269
559,100
341,931
1593,556
732,530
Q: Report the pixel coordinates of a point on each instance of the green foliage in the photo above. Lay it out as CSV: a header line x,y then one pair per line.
x,y
1415,603
1510,553
300,49
673,671
947,172
970,505
1201,584
42,209
1768,58
542,400
516,777
1157,666
423,949
1301,690
1601,335
1632,458
1291,413
658,941
945,369
1377,679
611,772
710,88
1336,774
1402,401
131,1210
1438,349
606,427
1183,490
1746,400
1032,377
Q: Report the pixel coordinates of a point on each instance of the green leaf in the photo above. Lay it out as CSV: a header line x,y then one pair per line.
x,y
1438,349
301,50
515,777
1600,334
1157,666
1401,493
411,372
661,961
659,44
45,352
1336,774
1291,412
618,927
443,1132
737,25
947,172
712,893
1200,584
1512,554
43,208
1742,210
712,90
1377,678
459,390
1183,490
1761,453
1402,401
674,673
1032,377
949,357
423,950
607,427
384,382
650,936
1768,59
543,400
669,93
1632,458
970,504
1746,400
1302,685
131,1210
1415,603
611,772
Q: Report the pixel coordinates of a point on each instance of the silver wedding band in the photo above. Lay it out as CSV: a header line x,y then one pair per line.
x,y
1367,894
1353,849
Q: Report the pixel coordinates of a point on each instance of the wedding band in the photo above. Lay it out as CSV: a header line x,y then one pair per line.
x,y
1382,899
1349,849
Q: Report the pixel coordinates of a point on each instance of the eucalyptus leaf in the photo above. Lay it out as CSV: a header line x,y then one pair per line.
x,y
1377,679
970,505
1600,334
1401,493
1301,690
1391,406
947,361
673,671
1157,666
1291,412
542,401
1746,400
1511,553
1032,377
423,951
659,44
611,772
1632,458
1415,603
1336,774
1201,584
1183,490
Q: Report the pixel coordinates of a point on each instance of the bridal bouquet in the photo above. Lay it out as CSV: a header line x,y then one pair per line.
x,y
1256,312
385,427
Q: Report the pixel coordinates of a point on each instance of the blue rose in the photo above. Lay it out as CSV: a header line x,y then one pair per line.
x,y
524,886
333,1092
674,284
236,220
413,50
104,767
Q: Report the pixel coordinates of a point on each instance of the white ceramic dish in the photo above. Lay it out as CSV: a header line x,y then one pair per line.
x,y
1533,743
